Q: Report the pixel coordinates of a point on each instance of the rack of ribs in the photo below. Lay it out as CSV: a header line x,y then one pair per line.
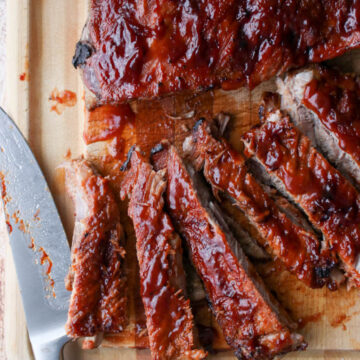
x,y
252,321
168,313
324,104
300,172
294,244
98,300
144,49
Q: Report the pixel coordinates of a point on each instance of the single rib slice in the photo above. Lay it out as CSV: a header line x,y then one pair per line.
x,y
98,300
169,317
325,105
296,246
252,321
331,203
143,49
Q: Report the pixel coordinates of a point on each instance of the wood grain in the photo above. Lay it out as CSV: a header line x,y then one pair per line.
x,y
41,42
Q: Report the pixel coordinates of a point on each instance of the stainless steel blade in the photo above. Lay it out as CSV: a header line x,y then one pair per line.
x,y
33,217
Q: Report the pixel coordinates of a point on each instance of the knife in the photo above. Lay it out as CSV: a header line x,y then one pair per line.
x,y
38,241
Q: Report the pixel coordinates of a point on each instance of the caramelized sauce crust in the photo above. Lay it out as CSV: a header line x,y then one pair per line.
x,y
248,323
98,301
159,252
335,98
226,171
329,200
147,48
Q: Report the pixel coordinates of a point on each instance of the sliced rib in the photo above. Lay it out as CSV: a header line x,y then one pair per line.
x,y
296,246
169,317
252,321
325,105
98,299
331,203
144,49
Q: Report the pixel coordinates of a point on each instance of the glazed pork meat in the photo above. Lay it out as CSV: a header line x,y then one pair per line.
x,y
96,278
325,105
169,316
144,49
300,172
294,244
252,321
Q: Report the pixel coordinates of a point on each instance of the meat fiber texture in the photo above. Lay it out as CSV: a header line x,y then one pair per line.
x,y
294,244
332,204
324,105
252,321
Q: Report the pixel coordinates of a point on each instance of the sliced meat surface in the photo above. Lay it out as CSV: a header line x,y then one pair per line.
x,y
329,200
297,247
98,300
144,49
325,105
168,313
252,321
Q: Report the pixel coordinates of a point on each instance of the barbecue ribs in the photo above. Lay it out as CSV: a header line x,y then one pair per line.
x,y
298,170
296,246
159,252
252,321
324,104
98,299
143,49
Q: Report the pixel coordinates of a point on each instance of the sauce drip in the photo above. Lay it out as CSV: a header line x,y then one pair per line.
x,y
23,76
5,199
107,121
62,99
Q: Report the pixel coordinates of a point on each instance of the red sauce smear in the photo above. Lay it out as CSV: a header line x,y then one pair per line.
x,y
20,222
6,199
340,320
62,99
303,321
36,215
335,99
107,121
46,259
23,76
32,244
169,46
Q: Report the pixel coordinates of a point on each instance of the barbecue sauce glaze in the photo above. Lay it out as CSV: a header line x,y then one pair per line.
x,y
330,201
335,99
149,48
298,249
245,318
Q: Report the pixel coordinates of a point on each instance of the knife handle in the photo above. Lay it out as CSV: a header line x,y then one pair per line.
x,y
50,350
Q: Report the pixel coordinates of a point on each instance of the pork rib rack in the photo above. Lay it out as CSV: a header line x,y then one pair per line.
x,y
169,317
252,321
296,246
329,200
143,49
98,300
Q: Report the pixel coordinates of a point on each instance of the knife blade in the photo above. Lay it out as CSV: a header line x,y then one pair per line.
x,y
38,241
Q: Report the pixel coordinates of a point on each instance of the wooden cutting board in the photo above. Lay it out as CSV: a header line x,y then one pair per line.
x,y
41,40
